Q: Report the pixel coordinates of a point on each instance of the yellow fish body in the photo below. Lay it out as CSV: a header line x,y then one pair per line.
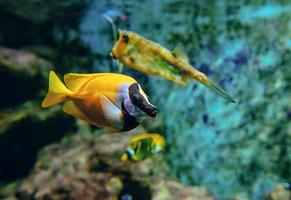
x,y
149,57
142,146
101,99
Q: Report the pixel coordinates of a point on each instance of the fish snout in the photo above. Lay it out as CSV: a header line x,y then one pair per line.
x,y
142,104
149,109
139,101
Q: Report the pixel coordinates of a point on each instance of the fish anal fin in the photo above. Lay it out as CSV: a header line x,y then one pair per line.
x,y
112,113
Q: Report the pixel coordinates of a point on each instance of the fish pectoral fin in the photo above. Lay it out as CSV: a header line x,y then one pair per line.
x,y
112,113
71,109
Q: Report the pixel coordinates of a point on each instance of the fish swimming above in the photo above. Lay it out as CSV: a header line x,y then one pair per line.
x,y
101,99
143,146
151,58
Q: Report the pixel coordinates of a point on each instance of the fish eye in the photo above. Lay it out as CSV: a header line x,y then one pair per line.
x,y
134,98
125,38
129,153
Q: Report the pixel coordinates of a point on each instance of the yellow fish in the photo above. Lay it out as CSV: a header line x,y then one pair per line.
x,y
101,99
149,57
142,146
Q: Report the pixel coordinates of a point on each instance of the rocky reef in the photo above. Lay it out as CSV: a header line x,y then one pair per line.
x,y
24,128
81,167
279,192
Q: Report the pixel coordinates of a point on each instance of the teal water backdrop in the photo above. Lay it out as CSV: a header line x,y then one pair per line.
x,y
233,150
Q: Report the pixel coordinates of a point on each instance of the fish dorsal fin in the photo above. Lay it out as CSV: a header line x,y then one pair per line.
x,y
71,109
140,137
75,81
112,113
180,53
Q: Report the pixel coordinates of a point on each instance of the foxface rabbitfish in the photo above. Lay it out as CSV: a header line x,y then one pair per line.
x,y
101,99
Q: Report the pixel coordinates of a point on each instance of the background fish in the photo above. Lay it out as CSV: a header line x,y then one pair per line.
x,y
142,146
101,99
151,58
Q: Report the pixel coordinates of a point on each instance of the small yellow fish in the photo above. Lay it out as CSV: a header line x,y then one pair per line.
x,y
142,146
101,99
149,57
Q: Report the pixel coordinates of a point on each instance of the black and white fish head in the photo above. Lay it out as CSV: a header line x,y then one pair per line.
x,y
139,101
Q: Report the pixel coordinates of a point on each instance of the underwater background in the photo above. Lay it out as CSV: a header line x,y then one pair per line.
x,y
215,149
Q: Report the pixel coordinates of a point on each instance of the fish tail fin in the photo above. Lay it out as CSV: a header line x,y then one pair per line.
x,y
57,92
218,90
202,78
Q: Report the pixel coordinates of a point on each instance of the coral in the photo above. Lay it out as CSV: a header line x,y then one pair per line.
x,y
18,71
24,128
88,168
279,193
